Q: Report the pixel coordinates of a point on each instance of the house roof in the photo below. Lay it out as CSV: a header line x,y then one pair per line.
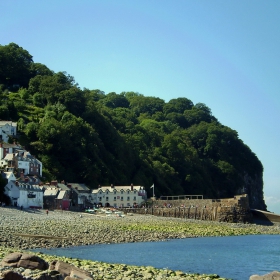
x,y
9,157
26,156
2,123
7,145
61,194
117,188
32,180
9,174
28,187
62,186
79,187
51,192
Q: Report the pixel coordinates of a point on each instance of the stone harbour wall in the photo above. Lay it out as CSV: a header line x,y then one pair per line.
x,y
232,210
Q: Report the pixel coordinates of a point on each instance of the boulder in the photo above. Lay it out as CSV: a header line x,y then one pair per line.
x,y
66,269
11,259
32,262
24,260
57,270
11,275
271,276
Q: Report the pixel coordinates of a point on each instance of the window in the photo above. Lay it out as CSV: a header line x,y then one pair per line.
x,y
127,192
128,198
135,191
107,198
134,198
121,198
100,198
114,198
121,192
128,204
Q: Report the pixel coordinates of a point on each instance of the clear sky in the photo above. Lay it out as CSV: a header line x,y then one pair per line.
x,y
225,54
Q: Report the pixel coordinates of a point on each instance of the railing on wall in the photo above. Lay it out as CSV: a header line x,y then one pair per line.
x,y
178,197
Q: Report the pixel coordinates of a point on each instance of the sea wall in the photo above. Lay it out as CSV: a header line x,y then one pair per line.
x,y
233,210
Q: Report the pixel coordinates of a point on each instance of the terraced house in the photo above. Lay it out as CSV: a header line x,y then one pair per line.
x,y
21,161
7,129
119,196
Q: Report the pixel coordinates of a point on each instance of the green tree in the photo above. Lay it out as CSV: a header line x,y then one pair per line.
x,y
15,65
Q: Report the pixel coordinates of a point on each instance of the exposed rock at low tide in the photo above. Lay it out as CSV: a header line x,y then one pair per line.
x,y
22,230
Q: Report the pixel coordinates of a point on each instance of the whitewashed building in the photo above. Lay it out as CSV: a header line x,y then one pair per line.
x,y
6,148
119,196
22,161
9,176
7,128
25,195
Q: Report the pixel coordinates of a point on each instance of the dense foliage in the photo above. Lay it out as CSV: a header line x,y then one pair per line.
x,y
88,136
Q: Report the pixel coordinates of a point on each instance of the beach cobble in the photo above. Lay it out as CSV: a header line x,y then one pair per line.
x,y
29,229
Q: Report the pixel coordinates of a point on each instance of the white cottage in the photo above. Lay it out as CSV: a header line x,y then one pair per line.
x,y
25,195
9,176
119,196
7,128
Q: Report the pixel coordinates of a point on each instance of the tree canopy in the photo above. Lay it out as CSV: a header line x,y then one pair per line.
x,y
88,136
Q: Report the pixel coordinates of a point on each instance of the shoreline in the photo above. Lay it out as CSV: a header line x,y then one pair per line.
x,y
27,230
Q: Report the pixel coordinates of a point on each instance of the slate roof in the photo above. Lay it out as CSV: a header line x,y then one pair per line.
x,y
79,187
117,188
34,188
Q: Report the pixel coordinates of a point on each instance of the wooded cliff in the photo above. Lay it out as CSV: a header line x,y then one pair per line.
x,y
87,136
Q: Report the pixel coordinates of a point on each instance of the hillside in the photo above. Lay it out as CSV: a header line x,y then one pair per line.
x,y
85,135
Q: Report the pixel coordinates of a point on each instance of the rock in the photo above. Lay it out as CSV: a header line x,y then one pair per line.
x,y
32,262
271,276
24,260
11,260
66,269
11,275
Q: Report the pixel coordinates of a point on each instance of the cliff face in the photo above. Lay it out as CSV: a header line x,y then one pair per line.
x,y
253,186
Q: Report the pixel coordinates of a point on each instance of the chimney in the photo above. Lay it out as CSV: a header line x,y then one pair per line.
x,y
131,186
54,183
112,186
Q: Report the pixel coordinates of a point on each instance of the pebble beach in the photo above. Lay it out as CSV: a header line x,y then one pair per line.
x,y
27,229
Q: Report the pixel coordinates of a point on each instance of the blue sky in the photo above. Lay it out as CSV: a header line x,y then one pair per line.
x,y
225,54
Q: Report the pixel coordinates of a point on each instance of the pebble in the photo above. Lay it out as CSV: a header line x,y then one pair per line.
x,y
65,228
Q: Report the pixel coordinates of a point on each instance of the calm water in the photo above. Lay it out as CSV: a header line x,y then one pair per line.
x,y
235,257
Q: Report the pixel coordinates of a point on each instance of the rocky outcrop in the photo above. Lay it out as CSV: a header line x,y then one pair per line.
x,y
253,186
271,276
19,266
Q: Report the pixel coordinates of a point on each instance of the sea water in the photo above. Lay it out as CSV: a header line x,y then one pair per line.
x,y
234,257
